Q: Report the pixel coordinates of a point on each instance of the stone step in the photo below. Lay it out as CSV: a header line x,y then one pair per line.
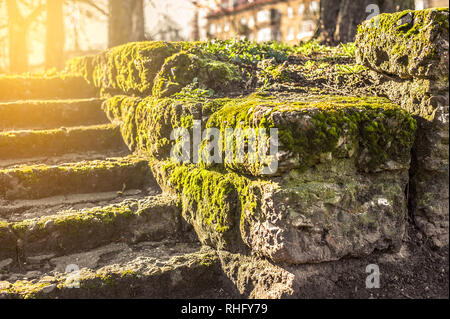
x,y
147,270
29,86
29,143
64,158
18,210
133,220
39,181
50,114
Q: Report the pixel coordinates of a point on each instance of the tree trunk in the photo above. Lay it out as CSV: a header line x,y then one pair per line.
x,y
18,50
329,11
396,5
351,14
54,47
339,19
138,33
126,21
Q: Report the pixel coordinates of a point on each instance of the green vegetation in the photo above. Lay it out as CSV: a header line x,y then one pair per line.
x,y
321,122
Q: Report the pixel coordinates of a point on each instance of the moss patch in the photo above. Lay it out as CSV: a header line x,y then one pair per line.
x,y
38,181
22,144
407,44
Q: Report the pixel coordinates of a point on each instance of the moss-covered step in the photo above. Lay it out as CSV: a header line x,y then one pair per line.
x,y
151,218
158,68
372,131
44,86
38,143
184,68
50,114
65,158
39,181
323,213
147,270
130,68
147,123
18,210
406,44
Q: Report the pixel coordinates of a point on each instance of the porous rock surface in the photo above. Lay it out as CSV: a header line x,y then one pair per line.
x,y
410,52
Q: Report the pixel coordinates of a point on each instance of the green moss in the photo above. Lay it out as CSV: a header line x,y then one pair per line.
x,y
210,194
217,203
374,124
38,181
405,43
130,68
146,124
26,289
185,68
128,273
369,125
72,231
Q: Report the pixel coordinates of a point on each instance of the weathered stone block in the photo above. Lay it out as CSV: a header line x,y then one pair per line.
x,y
408,44
409,51
328,212
326,208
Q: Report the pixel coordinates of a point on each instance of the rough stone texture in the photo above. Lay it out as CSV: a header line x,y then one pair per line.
x,y
38,181
129,68
325,213
409,51
152,218
408,44
51,114
339,190
414,271
181,69
328,212
146,270
337,203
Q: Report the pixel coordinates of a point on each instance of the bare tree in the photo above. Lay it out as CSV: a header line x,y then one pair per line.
x,y
18,26
54,44
126,21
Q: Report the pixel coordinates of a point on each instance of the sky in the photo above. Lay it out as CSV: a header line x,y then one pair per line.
x,y
180,11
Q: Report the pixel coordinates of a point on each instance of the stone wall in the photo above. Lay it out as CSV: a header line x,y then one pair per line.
x,y
409,53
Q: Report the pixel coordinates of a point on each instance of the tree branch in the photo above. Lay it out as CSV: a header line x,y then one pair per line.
x,y
93,5
35,14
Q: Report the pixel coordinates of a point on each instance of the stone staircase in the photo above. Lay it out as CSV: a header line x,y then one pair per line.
x,y
93,204
73,197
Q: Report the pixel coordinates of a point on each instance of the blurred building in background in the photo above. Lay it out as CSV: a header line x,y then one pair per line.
x,y
289,21
424,4
264,20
